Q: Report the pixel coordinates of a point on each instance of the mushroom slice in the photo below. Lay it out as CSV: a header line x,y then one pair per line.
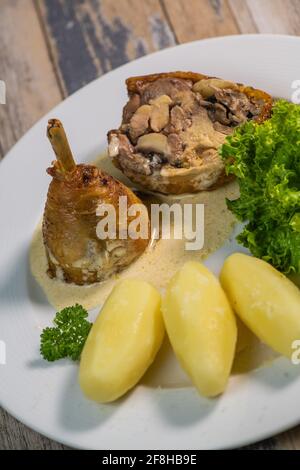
x,y
156,143
207,86
160,112
139,122
114,145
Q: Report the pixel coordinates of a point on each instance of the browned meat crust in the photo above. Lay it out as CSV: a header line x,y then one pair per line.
x,y
133,82
74,251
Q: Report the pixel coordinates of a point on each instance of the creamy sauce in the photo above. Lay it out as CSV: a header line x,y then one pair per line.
x,y
156,265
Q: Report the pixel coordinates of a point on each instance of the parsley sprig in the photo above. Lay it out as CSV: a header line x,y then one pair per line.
x,y
67,337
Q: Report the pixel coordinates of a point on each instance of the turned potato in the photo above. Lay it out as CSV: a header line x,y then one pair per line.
x,y
266,301
201,327
123,341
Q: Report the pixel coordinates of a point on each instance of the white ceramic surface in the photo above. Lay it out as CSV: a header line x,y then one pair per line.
x,y
47,397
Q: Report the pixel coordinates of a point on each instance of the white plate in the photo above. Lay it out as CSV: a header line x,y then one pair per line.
x,y
47,397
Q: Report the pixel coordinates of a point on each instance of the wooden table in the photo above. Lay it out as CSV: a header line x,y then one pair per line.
x,y
51,48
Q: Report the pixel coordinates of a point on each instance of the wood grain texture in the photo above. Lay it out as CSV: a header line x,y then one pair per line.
x,y
290,440
25,67
50,48
32,90
16,436
267,16
197,19
243,16
92,37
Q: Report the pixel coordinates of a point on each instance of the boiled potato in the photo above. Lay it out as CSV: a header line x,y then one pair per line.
x,y
201,327
123,341
266,301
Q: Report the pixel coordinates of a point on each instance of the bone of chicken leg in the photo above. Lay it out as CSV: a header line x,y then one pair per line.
x,y
74,251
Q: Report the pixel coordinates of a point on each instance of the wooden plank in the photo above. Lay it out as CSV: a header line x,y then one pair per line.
x,y
269,16
31,91
243,16
25,67
197,19
16,436
92,37
267,444
290,440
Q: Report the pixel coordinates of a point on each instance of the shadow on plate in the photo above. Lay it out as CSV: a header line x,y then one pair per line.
x,y
14,285
183,406
171,387
19,282
78,414
40,363
278,374
166,372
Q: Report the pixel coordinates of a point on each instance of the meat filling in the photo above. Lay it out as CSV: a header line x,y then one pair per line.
x,y
173,122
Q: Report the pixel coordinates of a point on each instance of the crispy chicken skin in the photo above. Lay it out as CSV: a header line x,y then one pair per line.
x,y
74,251
173,125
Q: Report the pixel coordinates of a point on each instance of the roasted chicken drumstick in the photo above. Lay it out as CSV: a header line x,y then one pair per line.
x,y
74,251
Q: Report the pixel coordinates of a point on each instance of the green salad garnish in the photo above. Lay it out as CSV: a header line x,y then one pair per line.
x,y
266,160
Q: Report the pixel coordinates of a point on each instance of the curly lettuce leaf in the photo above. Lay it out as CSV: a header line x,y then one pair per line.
x,y
266,160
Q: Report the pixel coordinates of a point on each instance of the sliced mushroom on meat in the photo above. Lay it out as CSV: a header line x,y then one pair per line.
x,y
154,142
160,109
174,120
139,122
207,87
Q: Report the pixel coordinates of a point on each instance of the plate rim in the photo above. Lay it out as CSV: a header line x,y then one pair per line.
x,y
8,161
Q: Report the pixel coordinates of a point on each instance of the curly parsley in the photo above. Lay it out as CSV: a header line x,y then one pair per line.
x,y
67,337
